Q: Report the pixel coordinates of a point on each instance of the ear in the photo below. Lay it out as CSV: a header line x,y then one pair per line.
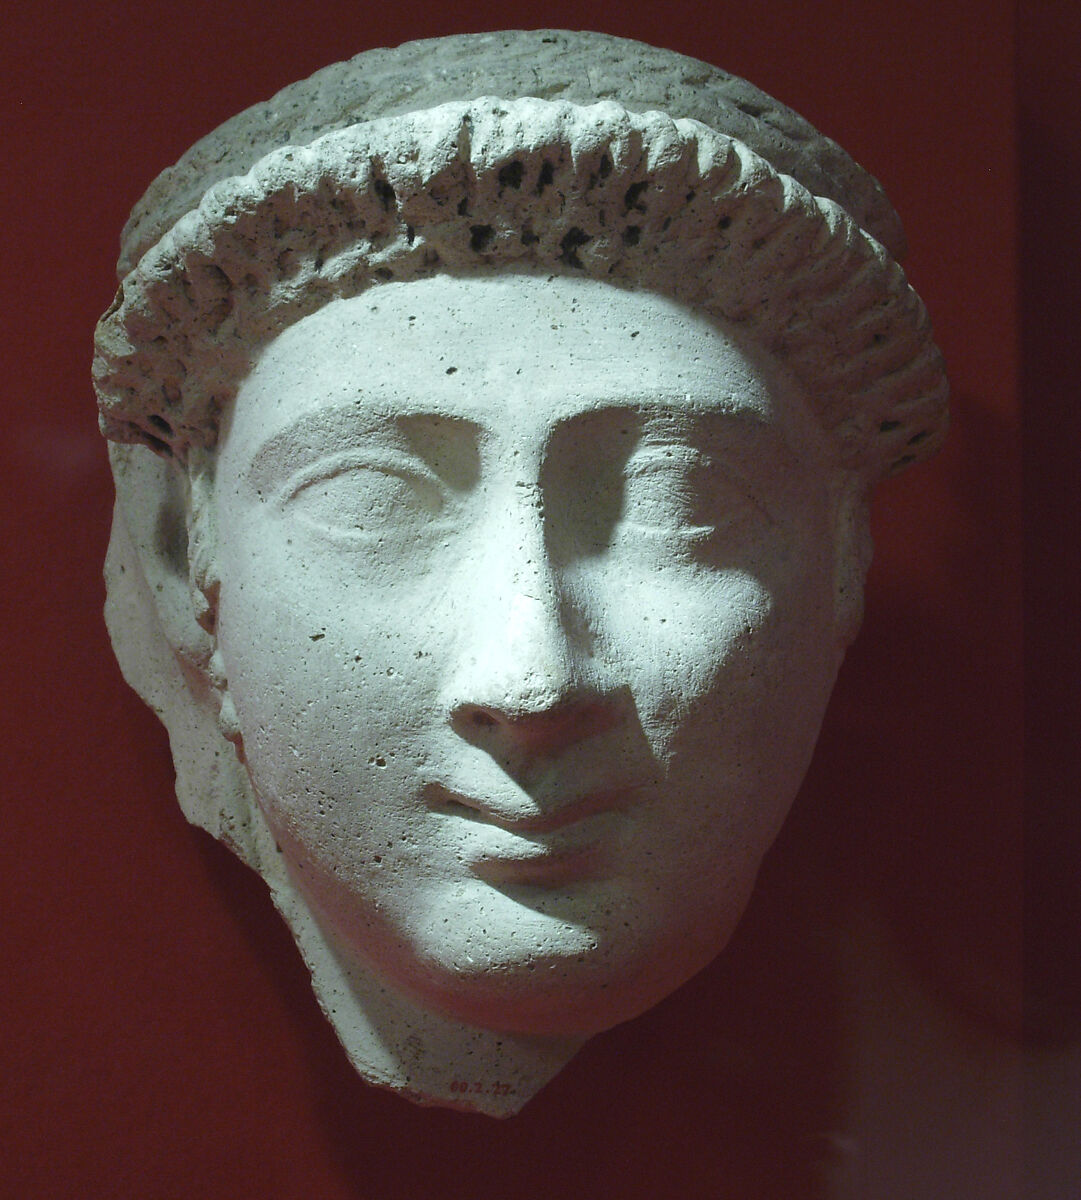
x,y
162,626
853,548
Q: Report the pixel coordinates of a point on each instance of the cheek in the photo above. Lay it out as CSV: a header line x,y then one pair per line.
x,y
772,691
329,680
683,644
731,646
731,671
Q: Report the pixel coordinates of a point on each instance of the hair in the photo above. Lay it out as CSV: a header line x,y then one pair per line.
x,y
556,64
637,200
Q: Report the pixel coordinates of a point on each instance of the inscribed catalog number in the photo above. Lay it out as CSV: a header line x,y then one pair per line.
x,y
476,1088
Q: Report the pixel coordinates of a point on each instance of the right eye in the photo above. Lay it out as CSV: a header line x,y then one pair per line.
x,y
367,496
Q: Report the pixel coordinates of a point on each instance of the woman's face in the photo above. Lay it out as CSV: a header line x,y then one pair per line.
x,y
527,614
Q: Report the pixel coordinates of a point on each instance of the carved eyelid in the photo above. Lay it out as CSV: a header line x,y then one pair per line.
x,y
656,454
389,461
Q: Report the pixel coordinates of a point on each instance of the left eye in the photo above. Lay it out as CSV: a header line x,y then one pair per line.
x,y
670,491
367,497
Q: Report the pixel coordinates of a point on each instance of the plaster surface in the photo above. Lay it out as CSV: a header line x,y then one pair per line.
x,y
492,484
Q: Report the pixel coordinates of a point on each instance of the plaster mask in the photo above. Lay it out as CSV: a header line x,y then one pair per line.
x,y
495,616
532,580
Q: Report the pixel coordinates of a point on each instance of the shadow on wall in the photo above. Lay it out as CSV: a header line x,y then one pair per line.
x,y
1051,298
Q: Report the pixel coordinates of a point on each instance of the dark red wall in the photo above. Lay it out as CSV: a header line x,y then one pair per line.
x,y
159,1038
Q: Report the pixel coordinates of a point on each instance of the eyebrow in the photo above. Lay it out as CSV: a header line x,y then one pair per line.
x,y
345,426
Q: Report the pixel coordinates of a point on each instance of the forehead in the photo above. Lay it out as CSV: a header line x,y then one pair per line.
x,y
514,352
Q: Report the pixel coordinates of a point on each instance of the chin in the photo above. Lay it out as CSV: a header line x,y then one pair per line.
x,y
580,983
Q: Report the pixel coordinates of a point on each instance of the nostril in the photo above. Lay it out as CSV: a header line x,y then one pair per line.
x,y
476,723
540,729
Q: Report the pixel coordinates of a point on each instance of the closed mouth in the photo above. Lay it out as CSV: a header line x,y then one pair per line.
x,y
530,823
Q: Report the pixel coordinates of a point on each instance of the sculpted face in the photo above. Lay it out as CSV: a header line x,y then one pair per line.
x,y
523,450
527,613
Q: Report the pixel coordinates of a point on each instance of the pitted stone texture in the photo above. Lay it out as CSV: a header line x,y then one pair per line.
x,y
526,609
507,522
636,200
548,64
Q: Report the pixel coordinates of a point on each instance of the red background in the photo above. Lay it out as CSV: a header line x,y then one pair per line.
x,y
859,1038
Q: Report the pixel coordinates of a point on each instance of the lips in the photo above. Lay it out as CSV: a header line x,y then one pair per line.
x,y
528,819
513,841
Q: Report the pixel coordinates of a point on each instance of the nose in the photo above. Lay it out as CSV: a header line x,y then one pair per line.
x,y
520,676
522,687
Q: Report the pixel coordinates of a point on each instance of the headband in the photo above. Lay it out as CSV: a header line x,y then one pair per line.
x,y
638,200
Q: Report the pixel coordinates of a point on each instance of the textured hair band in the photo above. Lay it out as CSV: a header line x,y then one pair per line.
x,y
639,200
